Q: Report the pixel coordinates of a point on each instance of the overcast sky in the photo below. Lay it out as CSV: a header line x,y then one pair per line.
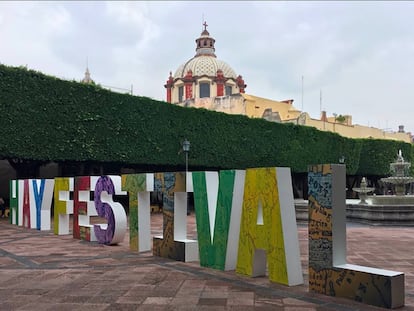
x,y
358,55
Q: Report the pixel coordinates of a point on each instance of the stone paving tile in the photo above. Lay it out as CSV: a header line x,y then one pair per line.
x,y
123,307
184,301
241,299
268,302
153,308
41,271
130,300
214,294
212,301
157,301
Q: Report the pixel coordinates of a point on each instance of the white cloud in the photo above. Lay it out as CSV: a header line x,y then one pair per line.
x,y
133,17
27,33
358,53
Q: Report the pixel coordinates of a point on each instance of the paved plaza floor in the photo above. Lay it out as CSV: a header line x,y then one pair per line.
x,y
42,271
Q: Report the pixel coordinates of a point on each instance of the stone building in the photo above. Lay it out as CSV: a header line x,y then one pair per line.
x,y
204,81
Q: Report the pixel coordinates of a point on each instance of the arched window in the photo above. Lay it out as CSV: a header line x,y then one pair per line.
x,y
180,94
204,89
228,90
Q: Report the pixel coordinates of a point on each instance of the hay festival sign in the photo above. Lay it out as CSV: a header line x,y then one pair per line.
x,y
245,222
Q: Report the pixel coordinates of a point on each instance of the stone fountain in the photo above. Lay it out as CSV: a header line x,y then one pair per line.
x,y
399,179
363,191
397,209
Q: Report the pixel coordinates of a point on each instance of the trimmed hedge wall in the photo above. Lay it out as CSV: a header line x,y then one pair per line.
x,y
376,154
47,119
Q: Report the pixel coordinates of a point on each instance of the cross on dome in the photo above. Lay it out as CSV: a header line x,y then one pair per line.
x,y
205,31
205,43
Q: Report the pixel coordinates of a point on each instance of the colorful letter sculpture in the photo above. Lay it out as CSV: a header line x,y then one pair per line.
x,y
30,203
329,273
268,227
84,208
114,231
174,243
41,193
217,201
14,202
139,187
63,205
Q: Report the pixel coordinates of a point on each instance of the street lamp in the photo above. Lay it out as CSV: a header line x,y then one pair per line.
x,y
186,149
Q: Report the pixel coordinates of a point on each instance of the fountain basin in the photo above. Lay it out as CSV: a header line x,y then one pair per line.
x,y
394,200
302,211
371,214
389,210
386,209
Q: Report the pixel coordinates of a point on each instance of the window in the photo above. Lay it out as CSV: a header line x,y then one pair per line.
x,y
228,90
180,93
204,90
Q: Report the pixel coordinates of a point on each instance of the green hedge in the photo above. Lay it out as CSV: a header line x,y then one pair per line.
x,y
47,119
377,154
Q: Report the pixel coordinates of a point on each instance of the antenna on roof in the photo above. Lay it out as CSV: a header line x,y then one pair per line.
x,y
320,102
302,93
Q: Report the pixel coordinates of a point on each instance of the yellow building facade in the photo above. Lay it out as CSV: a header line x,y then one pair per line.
x,y
347,129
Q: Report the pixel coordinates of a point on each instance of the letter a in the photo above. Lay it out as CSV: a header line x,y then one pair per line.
x,y
268,227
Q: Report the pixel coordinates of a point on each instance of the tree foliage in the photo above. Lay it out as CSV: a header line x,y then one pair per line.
x,y
48,119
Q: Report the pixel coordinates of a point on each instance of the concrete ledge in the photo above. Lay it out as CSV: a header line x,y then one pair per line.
x,y
381,214
390,295
386,215
180,250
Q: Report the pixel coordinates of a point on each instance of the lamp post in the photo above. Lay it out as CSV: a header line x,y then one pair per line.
x,y
186,149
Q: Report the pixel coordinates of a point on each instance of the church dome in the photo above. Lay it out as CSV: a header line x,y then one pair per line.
x,y
203,76
205,61
205,65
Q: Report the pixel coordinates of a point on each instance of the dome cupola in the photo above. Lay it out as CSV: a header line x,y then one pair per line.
x,y
204,75
205,44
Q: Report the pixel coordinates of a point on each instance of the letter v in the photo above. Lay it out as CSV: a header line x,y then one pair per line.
x,y
217,202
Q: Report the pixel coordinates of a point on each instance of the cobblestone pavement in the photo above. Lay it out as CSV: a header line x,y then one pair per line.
x,y
42,271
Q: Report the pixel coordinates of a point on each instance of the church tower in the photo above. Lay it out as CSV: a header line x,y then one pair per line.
x,y
203,76
87,79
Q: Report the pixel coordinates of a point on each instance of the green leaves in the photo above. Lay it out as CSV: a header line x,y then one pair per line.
x,y
44,118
